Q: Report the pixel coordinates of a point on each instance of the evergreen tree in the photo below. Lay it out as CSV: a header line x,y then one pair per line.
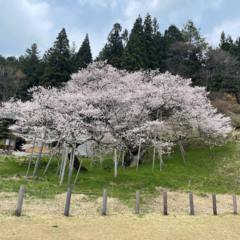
x,y
134,52
57,62
113,50
226,43
223,71
172,35
185,52
4,128
159,47
31,67
236,49
149,47
84,55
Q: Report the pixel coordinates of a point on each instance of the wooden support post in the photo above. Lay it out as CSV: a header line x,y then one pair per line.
x,y
123,156
21,193
53,152
191,204
234,204
115,163
78,171
64,166
104,203
214,204
31,157
39,153
139,155
165,207
71,162
68,201
137,207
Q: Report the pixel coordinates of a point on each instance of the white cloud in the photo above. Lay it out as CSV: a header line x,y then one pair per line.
x,y
231,27
24,22
99,3
135,7
177,8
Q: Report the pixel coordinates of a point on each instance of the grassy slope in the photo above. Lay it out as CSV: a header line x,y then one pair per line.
x,y
205,171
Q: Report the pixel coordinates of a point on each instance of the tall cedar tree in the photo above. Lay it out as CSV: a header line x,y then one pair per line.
x,y
226,43
236,49
113,50
57,59
11,77
159,49
84,55
172,35
31,67
134,52
150,48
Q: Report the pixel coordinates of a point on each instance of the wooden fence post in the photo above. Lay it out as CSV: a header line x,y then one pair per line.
x,y
137,207
234,204
104,203
165,207
68,201
21,193
191,204
214,204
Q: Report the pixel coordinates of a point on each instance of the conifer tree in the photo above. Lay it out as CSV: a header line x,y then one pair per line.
x,y
31,67
226,43
149,47
236,49
113,50
172,35
84,55
57,62
158,43
134,53
185,52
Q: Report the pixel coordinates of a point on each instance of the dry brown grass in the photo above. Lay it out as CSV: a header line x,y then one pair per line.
x,y
120,227
43,219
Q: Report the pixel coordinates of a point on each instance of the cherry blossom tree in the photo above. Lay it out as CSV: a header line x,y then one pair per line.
x,y
134,109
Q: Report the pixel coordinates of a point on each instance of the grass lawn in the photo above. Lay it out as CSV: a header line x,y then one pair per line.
x,y
205,171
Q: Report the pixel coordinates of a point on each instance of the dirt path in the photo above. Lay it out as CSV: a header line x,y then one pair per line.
x,y
122,227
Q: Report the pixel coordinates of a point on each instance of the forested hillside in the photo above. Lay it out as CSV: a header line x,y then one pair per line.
x,y
179,51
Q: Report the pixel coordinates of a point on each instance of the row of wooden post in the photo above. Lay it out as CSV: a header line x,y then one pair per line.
x,y
22,191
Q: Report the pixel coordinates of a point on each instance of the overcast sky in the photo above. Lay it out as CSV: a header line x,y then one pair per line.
x,y
23,22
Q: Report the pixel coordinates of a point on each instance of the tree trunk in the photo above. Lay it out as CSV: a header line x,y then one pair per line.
x,y
133,158
76,165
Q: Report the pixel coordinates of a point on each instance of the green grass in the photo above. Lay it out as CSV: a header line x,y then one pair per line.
x,y
205,171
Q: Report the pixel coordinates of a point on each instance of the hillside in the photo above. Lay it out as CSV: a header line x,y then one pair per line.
x,y
215,170
227,103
